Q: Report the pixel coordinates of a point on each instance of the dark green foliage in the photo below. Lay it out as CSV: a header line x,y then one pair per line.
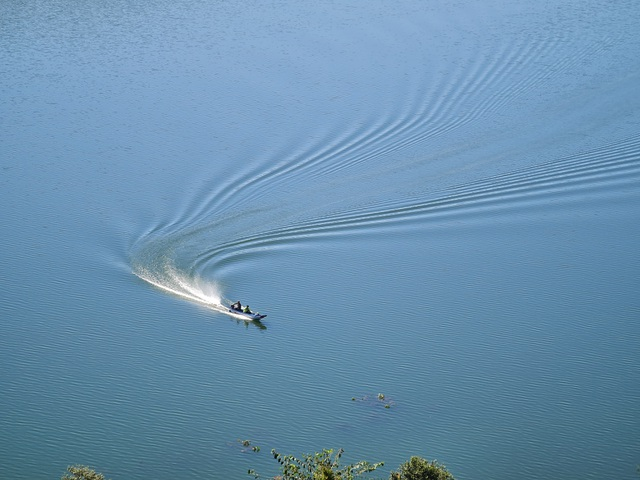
x,y
420,469
81,472
319,466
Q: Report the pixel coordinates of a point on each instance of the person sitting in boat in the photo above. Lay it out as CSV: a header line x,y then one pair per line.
x,y
236,306
246,309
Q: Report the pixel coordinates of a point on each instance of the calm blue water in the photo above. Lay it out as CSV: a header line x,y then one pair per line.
x,y
436,201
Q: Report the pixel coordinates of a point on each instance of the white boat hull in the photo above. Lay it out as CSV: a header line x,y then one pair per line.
x,y
246,316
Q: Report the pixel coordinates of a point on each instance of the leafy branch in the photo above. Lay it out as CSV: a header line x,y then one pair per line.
x,y
324,465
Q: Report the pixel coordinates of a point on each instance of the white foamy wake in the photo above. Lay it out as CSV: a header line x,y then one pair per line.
x,y
157,267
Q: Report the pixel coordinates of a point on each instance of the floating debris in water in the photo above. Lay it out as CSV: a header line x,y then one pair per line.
x,y
379,400
246,446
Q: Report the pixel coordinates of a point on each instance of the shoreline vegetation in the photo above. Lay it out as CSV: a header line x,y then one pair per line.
x,y
324,465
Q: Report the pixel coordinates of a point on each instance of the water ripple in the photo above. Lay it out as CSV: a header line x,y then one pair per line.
x,y
180,263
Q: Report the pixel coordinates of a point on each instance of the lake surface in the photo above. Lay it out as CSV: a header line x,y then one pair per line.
x,y
437,201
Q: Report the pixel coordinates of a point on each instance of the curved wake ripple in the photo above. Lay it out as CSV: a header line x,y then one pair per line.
x,y
178,262
449,106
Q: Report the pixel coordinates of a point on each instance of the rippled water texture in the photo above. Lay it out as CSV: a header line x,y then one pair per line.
x,y
434,201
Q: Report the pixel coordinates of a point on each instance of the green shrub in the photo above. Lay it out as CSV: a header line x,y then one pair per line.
x,y
81,472
319,466
420,469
